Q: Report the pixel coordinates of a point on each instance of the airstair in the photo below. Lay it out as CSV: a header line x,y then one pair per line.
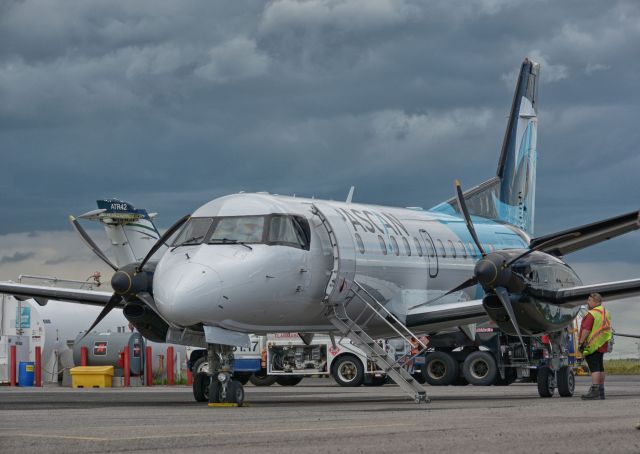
x,y
337,299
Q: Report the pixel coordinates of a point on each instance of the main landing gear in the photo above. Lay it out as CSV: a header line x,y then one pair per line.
x,y
216,385
556,375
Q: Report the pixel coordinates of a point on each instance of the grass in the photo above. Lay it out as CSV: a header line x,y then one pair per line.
x,y
622,366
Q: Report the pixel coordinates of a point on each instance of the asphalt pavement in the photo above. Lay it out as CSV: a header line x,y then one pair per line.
x,y
319,416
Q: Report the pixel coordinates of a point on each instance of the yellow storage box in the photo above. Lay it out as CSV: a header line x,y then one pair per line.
x,y
91,376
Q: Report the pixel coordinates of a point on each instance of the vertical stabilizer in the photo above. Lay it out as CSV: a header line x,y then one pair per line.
x,y
131,231
517,167
510,195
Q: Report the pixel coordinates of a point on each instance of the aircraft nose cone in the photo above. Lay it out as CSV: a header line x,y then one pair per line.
x,y
486,272
186,292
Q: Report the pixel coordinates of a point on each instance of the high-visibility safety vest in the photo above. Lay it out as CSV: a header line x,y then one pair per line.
x,y
601,330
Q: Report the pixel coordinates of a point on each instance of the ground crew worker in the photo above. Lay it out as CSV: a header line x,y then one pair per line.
x,y
595,333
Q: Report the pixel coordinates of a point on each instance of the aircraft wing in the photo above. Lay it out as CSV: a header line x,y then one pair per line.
x,y
589,234
577,296
438,317
43,293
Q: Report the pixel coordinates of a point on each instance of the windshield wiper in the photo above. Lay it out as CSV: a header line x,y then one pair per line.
x,y
186,242
229,241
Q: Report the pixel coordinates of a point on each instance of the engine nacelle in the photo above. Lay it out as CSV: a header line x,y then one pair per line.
x,y
532,316
150,325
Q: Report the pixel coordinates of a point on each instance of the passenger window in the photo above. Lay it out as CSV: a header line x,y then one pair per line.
x,y
418,246
360,243
441,250
394,245
462,249
452,249
383,245
407,246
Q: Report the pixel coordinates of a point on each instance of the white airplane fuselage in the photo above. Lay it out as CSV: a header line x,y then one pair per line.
x,y
404,256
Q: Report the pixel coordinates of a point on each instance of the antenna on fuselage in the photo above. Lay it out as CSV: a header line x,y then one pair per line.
x,y
350,196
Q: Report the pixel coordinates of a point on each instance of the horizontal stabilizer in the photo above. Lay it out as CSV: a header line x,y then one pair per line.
x,y
589,234
577,296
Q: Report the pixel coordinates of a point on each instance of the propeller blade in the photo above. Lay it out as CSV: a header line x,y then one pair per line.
x,y
113,302
467,219
468,283
551,242
503,295
163,239
89,242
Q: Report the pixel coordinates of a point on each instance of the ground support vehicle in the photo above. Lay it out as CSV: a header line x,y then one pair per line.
x,y
287,355
495,358
285,359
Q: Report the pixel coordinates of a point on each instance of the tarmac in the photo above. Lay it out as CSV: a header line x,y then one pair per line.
x,y
319,416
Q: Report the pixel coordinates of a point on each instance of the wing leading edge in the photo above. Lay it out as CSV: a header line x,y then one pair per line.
x,y
577,296
39,293
587,235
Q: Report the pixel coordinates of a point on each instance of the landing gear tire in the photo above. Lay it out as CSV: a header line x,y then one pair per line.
x,y
201,387
440,369
546,385
566,381
289,380
347,370
460,381
261,379
419,378
480,369
201,365
234,394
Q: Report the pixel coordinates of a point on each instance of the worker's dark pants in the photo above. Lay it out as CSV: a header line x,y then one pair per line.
x,y
594,361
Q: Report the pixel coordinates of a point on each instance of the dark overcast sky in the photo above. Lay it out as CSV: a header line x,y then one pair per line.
x,y
170,104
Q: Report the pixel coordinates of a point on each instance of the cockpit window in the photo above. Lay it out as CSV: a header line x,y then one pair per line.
x,y
274,229
239,229
287,231
193,232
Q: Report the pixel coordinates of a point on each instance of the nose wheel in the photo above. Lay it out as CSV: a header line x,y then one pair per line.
x,y
223,390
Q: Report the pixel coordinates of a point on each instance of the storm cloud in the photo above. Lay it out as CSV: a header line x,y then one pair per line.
x,y
168,105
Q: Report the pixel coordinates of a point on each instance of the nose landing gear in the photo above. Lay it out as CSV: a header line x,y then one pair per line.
x,y
223,390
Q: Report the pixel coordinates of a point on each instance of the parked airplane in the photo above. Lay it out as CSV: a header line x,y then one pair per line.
x,y
261,263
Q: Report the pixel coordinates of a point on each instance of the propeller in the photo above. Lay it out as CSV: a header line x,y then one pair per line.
x,y
504,298
493,270
89,242
113,302
468,283
467,218
130,281
163,240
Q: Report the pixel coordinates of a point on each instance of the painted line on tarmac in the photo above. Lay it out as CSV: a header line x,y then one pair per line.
x,y
214,434
266,431
65,437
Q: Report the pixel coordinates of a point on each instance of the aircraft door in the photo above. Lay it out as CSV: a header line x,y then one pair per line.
x,y
430,253
344,256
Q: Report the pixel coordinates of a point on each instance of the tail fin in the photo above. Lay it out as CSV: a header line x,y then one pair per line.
x,y
510,195
130,230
